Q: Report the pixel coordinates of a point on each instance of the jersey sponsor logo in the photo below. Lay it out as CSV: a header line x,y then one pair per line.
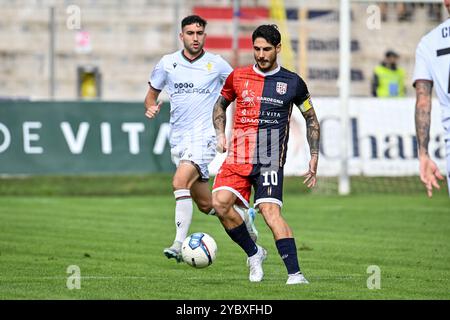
x,y
248,97
258,121
273,101
281,88
183,85
253,112
194,90
188,87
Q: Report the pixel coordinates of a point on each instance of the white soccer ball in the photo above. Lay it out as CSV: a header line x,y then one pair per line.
x,y
199,250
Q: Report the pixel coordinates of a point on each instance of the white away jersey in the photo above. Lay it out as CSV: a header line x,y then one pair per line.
x,y
433,63
193,88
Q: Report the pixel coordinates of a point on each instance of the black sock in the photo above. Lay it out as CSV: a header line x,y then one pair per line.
x,y
241,236
288,252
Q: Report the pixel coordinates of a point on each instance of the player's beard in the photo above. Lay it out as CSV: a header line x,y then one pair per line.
x,y
266,64
193,51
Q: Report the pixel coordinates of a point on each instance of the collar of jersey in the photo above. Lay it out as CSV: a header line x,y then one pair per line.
x,y
193,60
265,74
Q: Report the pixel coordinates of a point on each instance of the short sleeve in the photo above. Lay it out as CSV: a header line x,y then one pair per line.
x,y
158,76
302,98
228,91
421,69
224,69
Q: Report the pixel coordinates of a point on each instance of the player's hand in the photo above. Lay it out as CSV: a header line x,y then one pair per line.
x,y
221,143
310,175
152,111
429,174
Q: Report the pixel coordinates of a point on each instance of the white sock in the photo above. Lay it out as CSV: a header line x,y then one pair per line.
x,y
183,213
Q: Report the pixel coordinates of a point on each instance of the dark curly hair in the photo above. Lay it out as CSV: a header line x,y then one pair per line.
x,y
269,32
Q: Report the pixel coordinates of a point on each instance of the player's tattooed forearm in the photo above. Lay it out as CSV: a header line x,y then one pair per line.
x,y
313,135
223,103
423,88
423,114
312,131
219,114
423,118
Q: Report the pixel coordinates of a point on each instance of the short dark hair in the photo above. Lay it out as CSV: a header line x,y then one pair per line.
x,y
391,53
193,19
269,32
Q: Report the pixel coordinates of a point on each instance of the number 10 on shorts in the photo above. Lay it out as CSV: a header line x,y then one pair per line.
x,y
272,176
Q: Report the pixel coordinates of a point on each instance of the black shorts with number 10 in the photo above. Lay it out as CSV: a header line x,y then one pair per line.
x,y
267,184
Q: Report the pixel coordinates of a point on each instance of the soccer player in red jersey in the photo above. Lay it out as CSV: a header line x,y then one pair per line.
x,y
265,94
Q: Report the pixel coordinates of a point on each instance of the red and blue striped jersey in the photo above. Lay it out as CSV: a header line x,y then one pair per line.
x,y
264,103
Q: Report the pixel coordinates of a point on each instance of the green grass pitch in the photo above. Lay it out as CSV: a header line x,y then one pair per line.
x,y
117,240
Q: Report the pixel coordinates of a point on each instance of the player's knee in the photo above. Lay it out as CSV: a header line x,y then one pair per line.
x,y
220,204
271,214
178,183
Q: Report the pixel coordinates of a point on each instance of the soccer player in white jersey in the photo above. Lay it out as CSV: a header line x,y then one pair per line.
x,y
432,69
193,79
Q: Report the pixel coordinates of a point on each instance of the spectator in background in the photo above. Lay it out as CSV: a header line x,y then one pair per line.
x,y
435,11
389,79
404,11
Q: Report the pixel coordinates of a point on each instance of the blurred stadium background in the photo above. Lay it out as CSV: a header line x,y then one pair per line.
x,y
123,40
73,76
98,55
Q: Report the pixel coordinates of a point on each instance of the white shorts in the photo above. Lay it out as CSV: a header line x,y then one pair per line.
x,y
199,151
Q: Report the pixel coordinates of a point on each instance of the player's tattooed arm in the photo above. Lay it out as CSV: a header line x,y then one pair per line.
x,y
219,121
313,137
312,131
429,171
423,114
219,114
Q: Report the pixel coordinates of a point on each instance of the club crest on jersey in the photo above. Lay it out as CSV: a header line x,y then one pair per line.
x,y
281,87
